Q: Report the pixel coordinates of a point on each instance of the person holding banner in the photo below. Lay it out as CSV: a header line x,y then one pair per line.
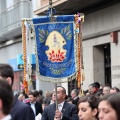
x,y
66,111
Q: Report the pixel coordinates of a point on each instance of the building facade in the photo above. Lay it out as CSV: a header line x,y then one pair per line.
x,y
100,33
101,41
11,14
101,37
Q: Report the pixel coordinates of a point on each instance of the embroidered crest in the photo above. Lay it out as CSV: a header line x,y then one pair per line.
x,y
55,42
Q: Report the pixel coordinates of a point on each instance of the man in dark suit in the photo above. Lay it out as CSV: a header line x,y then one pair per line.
x,y
75,97
66,111
36,106
20,111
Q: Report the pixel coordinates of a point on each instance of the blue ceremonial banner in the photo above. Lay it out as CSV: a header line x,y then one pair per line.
x,y
55,47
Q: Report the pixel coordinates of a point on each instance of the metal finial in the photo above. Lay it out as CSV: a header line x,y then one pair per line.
x,y
50,2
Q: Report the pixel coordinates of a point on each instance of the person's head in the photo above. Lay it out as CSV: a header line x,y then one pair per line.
x,y
6,97
21,97
48,94
97,84
92,88
25,95
87,107
109,107
7,73
46,101
106,90
98,95
40,92
74,93
61,94
32,96
86,92
114,90
69,100
36,92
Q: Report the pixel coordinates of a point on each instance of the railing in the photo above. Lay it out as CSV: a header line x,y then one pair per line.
x,y
10,18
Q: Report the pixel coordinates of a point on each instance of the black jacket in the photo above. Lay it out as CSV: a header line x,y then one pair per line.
x,y
75,101
38,107
21,111
69,112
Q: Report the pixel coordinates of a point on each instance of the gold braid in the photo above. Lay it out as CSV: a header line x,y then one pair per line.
x,y
77,25
24,55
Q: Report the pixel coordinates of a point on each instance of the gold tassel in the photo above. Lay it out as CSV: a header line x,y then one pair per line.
x,y
80,75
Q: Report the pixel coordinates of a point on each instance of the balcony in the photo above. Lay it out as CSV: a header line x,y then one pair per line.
x,y
10,20
73,6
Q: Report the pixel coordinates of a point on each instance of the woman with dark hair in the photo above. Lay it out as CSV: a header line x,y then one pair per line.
x,y
6,100
87,107
109,107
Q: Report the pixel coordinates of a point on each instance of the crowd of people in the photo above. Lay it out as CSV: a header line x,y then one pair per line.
x,y
97,102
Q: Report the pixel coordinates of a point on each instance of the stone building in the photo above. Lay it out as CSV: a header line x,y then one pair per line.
x,y
101,36
100,33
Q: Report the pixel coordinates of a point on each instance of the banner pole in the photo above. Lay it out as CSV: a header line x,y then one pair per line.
x,y
51,20
56,96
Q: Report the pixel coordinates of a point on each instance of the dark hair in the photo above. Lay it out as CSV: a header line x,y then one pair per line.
x,y
93,85
6,95
113,99
24,94
97,84
33,93
91,99
98,94
37,93
86,91
6,71
64,90
40,92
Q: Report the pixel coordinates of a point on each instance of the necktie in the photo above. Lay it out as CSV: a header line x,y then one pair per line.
x,y
59,107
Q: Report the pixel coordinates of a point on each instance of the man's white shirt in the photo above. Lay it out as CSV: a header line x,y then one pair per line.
x,y
8,117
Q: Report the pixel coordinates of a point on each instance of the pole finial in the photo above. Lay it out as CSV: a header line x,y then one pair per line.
x,y
50,2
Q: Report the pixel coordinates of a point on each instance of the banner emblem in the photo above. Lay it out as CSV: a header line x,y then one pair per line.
x,y
55,42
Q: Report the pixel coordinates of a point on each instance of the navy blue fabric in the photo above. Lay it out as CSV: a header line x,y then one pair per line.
x,y
54,62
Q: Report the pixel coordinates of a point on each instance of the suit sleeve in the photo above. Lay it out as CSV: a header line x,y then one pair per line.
x,y
44,114
26,114
40,108
73,116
